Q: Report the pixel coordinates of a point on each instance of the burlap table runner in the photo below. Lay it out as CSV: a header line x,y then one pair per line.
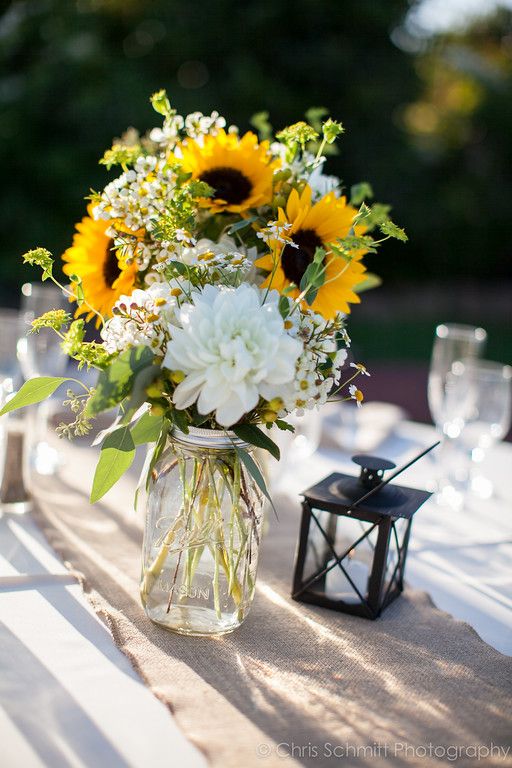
x,y
413,688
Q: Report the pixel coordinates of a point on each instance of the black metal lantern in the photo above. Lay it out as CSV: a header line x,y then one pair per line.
x,y
353,539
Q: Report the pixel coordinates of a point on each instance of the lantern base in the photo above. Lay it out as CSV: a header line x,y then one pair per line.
x,y
314,597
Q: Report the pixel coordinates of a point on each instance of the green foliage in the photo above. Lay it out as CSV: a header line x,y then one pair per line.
x,y
147,429
33,391
314,117
120,155
331,130
360,192
252,434
40,257
260,121
116,456
251,466
370,281
314,276
117,381
391,230
299,133
55,319
161,103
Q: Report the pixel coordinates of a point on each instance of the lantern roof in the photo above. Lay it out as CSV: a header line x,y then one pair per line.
x,y
338,493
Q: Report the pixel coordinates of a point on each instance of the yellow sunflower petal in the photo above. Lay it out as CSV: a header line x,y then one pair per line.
x,y
105,277
329,219
241,169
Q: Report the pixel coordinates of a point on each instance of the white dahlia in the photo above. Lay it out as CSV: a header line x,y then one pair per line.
x,y
232,349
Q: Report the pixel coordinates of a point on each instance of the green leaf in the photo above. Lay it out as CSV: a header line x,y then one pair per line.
x,y
34,391
178,267
181,421
138,395
390,229
261,122
284,307
242,224
116,382
360,192
255,473
370,281
157,451
313,278
252,434
314,116
283,425
147,429
117,454
79,291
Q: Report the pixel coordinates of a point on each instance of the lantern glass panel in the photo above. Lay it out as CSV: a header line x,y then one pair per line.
x,y
396,553
340,535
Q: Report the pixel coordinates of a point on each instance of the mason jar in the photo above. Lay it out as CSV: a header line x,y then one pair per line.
x,y
204,514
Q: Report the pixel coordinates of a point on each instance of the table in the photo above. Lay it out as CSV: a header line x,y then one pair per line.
x,y
460,557
292,680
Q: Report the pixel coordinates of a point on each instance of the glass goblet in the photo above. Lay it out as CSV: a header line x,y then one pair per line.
x,y
40,354
483,389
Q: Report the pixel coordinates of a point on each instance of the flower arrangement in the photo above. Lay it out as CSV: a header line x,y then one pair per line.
x,y
219,269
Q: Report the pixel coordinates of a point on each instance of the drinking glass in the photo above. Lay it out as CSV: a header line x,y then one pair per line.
x,y
9,368
452,343
39,354
482,390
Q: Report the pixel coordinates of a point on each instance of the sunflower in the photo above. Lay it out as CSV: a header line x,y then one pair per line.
x,y
316,226
105,276
239,170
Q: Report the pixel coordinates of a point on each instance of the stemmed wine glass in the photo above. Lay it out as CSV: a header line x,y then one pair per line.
x,y
39,354
482,392
452,343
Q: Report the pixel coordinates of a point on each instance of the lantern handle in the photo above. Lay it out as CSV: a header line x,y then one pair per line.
x,y
391,477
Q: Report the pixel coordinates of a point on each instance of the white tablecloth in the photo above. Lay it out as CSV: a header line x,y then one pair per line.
x,y
68,697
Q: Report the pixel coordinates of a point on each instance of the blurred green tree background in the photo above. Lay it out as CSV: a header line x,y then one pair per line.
x,y
428,117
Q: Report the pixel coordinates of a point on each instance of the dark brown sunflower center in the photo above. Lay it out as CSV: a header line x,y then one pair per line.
x,y
111,269
229,184
295,261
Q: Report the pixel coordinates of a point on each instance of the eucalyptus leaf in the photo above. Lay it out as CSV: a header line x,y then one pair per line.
x,y
147,429
117,454
34,391
252,434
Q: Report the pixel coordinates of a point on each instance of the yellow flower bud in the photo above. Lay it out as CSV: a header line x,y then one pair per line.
x,y
269,416
156,410
177,376
154,389
176,291
276,404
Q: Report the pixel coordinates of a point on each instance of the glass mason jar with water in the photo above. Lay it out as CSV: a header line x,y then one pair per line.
x,y
204,514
